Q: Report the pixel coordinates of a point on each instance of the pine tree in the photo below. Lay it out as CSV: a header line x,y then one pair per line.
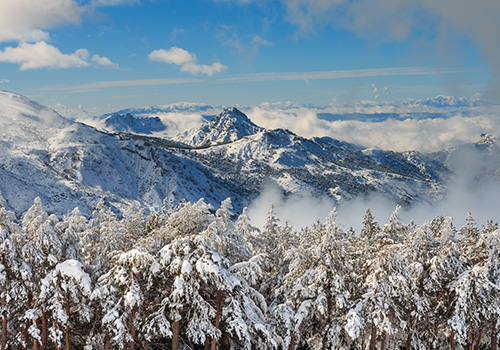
x,y
122,292
65,292
12,291
370,228
468,242
315,291
445,266
250,233
42,248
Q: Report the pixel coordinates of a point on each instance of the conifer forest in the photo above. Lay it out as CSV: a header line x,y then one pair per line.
x,y
191,277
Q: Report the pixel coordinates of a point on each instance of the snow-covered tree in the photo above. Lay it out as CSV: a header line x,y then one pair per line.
x,y
65,291
468,242
122,293
316,297
12,291
445,266
221,235
249,232
42,249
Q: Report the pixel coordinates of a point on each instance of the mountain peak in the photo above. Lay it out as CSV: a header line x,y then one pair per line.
x,y
129,123
229,125
25,120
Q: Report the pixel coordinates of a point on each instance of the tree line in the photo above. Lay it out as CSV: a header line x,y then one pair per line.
x,y
190,277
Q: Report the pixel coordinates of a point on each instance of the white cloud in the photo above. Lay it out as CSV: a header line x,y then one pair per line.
x,y
43,55
186,60
6,81
428,135
104,61
27,20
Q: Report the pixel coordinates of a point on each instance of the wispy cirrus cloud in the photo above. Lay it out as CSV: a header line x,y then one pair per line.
x,y
98,3
120,83
262,77
42,55
339,74
186,60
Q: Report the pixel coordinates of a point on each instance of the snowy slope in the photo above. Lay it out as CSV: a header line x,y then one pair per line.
x,y
70,164
26,122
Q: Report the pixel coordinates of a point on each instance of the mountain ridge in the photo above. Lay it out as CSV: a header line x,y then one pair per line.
x,y
78,165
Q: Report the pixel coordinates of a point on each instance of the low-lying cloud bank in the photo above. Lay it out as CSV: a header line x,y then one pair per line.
x,y
408,132
473,186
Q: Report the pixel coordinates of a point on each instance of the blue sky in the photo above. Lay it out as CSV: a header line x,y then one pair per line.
x,y
105,55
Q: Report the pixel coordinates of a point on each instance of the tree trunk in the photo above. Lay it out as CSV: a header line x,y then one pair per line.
x,y
4,319
408,338
175,335
26,334
35,342
452,340
55,327
66,335
328,312
4,324
382,340
217,316
44,330
408,341
373,339
208,343
292,342
132,329
479,336
435,325
494,334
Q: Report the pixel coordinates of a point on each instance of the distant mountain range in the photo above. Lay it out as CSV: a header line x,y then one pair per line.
x,y
69,164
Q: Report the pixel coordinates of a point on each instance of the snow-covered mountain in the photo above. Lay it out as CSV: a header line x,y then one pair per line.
x,y
70,164
228,126
129,123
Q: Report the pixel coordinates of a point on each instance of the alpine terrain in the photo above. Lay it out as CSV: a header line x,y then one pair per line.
x,y
69,164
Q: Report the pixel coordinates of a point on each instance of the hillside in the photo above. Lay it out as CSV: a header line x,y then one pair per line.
x,y
70,164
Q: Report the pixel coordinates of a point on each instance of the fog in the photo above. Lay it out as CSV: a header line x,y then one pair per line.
x,y
473,186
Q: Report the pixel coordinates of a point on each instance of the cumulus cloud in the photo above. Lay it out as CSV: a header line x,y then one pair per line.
x,y
104,61
186,60
42,55
28,20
